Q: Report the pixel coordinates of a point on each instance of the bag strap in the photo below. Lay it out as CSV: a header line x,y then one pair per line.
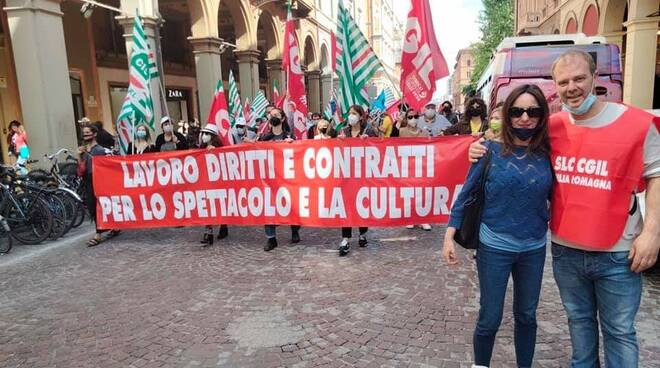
x,y
485,170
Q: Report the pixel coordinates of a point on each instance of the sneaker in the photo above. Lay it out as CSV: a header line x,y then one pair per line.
x,y
410,226
295,237
426,227
344,247
362,241
223,233
270,244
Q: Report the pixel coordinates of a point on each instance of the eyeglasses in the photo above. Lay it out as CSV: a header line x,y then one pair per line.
x,y
413,116
532,112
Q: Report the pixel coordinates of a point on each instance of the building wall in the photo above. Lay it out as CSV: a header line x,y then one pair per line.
x,y
461,77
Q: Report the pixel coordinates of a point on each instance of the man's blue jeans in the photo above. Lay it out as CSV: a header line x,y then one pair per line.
x,y
599,285
494,267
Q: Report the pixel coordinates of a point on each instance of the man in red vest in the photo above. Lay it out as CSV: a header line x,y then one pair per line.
x,y
601,151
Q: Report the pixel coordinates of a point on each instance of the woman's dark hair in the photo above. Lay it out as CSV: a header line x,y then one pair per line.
x,y
215,141
360,110
14,123
285,121
484,110
540,141
447,103
91,127
10,134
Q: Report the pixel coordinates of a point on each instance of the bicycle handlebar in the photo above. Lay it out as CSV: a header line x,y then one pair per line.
x,y
61,151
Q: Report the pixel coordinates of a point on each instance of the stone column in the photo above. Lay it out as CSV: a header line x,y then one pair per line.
x,y
615,38
42,72
149,24
208,70
326,90
639,75
314,96
275,73
248,72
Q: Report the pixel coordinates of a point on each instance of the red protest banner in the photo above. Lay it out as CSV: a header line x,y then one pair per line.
x,y
320,183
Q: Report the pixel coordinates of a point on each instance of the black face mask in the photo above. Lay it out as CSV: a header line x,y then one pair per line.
x,y
88,138
275,121
447,109
475,111
323,130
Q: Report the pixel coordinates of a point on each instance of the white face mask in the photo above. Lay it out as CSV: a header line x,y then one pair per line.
x,y
429,114
240,131
353,119
412,123
167,128
206,138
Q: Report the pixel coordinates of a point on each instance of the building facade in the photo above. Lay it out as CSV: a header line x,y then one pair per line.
x,y
461,77
58,66
630,24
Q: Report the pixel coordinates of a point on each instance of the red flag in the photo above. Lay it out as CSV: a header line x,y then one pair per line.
x,y
333,50
295,105
276,95
422,63
247,111
218,114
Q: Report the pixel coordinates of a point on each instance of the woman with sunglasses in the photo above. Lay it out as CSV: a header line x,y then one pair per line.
x,y
411,129
474,120
514,223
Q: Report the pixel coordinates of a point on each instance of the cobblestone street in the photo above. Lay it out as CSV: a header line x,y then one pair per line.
x,y
154,298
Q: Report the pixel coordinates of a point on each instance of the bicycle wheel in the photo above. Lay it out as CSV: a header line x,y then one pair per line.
x,y
29,219
58,211
70,207
6,242
81,213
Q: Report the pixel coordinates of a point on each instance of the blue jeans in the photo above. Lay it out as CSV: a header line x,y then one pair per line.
x,y
494,267
271,230
599,285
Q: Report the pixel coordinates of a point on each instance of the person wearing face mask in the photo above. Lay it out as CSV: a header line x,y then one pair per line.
x,y
86,153
357,127
600,242
278,133
209,139
514,223
142,142
432,122
312,125
495,122
170,140
323,129
411,128
241,133
474,121
447,110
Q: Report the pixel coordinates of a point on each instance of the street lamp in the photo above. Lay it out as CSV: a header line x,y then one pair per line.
x,y
88,8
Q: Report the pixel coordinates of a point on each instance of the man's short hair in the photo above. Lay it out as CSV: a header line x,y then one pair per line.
x,y
575,53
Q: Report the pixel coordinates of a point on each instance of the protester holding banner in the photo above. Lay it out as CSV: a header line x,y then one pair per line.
x,y
474,121
324,130
278,122
170,140
86,153
600,244
432,122
142,143
357,124
514,223
209,139
411,129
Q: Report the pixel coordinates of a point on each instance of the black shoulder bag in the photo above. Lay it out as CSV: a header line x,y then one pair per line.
x,y
467,236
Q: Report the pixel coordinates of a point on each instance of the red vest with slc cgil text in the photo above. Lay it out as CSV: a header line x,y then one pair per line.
x,y
597,170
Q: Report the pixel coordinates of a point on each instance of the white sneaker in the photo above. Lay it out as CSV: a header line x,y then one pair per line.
x,y
426,227
410,226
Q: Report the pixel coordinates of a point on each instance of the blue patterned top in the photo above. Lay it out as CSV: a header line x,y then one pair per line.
x,y
516,211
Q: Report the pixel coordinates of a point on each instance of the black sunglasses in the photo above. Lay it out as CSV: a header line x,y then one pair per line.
x,y
413,116
532,112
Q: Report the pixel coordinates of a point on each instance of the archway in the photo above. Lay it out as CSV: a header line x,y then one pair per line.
x,y
571,26
590,21
326,76
270,50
